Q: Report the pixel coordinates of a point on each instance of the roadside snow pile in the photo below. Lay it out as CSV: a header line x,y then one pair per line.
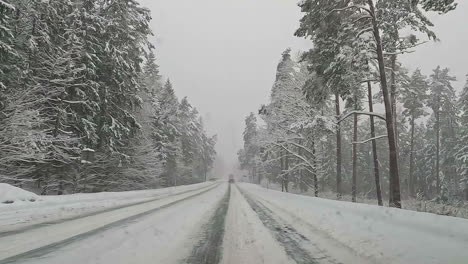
x,y
10,194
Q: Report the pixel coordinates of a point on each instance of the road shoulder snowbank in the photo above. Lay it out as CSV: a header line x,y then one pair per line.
x,y
16,216
10,194
387,235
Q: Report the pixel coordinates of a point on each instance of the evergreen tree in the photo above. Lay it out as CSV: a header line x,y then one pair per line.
x,y
462,147
166,119
251,148
442,101
414,96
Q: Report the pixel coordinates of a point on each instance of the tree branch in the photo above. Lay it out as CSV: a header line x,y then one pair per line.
x,y
370,139
361,113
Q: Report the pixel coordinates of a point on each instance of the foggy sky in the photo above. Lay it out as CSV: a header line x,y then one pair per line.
x,y
223,54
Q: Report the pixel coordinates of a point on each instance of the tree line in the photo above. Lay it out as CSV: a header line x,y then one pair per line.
x,y
320,129
83,107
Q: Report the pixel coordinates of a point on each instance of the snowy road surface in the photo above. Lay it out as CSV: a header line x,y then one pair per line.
x,y
222,223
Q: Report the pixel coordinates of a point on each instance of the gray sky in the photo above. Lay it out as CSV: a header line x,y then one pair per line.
x,y
222,54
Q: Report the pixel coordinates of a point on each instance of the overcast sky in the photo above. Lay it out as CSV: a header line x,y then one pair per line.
x,y
223,54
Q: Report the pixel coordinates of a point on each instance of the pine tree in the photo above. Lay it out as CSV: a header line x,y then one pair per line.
x,y
251,147
462,147
6,48
166,118
442,101
125,33
414,96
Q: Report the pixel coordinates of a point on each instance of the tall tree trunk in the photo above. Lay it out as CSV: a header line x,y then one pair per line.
x,y
314,169
205,167
355,138
301,179
395,197
411,162
437,114
393,100
393,89
338,147
282,170
286,178
374,147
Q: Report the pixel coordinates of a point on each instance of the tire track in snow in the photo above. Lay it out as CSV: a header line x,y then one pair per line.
x,y
209,248
287,236
41,251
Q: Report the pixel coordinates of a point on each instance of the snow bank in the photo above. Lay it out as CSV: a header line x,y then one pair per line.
x,y
427,206
55,208
386,235
10,194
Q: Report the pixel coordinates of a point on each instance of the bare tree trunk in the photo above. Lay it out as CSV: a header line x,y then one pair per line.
x,y
301,183
338,148
393,100
393,93
286,179
355,138
374,146
395,197
282,169
205,170
314,169
437,114
411,162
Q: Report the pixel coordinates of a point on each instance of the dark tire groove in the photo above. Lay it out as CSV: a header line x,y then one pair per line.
x,y
287,236
208,250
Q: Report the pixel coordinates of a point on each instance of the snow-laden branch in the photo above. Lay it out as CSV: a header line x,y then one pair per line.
x,y
294,154
404,50
368,29
381,116
361,18
370,80
370,139
351,6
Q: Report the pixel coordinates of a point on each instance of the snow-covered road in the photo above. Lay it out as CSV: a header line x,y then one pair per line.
x,y
231,224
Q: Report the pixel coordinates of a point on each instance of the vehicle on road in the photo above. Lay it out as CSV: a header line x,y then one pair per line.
x,y
231,178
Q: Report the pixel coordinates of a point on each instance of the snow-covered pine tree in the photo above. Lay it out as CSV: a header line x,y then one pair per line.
x,y
462,146
167,134
442,100
7,50
125,35
251,148
414,96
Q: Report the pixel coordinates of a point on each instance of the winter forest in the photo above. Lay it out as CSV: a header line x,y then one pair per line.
x,y
348,117
83,107
233,131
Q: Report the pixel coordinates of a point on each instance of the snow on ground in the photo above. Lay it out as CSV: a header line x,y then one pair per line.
x,y
383,235
14,195
179,225
46,209
164,236
246,239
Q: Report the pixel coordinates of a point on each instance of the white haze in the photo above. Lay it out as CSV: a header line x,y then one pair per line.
x,y
222,54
